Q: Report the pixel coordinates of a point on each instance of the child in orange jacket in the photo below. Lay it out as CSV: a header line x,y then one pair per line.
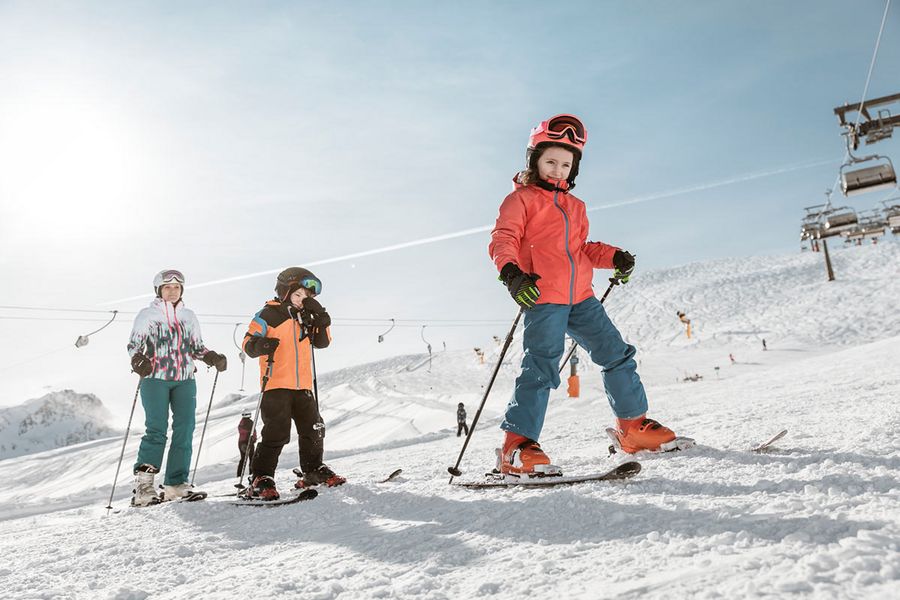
x,y
288,327
540,247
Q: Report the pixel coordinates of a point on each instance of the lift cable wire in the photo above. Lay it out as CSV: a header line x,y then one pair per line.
x,y
862,100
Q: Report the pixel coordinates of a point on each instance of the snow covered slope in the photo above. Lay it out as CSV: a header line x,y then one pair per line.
x,y
52,421
819,516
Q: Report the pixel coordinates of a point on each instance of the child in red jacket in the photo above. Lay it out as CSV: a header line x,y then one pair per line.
x,y
540,246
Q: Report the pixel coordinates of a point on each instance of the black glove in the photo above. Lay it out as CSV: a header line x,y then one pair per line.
x,y
258,346
624,265
214,359
316,316
522,286
141,365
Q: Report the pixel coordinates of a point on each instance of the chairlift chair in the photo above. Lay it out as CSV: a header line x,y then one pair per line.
x,y
891,214
839,220
867,179
873,224
810,230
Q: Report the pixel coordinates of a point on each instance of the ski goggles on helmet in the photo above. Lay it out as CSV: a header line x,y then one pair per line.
x,y
312,285
171,276
559,128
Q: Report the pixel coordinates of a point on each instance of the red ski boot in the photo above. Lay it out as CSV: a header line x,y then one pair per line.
x,y
523,457
641,433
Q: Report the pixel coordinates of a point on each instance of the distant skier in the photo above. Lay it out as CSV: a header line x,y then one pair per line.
x,y
288,327
764,345
540,247
164,341
461,419
731,358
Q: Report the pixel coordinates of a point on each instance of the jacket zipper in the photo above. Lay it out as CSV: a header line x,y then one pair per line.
x,y
296,350
568,254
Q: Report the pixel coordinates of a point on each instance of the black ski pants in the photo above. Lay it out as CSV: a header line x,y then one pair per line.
x,y
459,428
280,407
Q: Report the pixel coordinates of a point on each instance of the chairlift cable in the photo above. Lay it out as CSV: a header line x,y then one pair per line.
x,y
862,100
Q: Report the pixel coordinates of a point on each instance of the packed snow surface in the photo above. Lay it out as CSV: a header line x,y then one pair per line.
x,y
816,516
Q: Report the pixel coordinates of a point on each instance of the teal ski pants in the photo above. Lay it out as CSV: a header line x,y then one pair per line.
x,y
158,397
544,340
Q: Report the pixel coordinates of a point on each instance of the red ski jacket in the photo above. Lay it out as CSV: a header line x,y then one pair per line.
x,y
545,232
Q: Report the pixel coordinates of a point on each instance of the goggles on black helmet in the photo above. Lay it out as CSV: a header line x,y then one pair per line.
x,y
299,277
312,285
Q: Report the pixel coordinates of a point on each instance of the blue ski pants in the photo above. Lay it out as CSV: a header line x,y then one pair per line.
x,y
158,397
544,340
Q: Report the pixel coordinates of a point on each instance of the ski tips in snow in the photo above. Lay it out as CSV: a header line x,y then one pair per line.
x,y
766,446
493,480
392,476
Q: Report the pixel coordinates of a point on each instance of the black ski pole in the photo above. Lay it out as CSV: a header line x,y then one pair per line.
x,y
312,355
454,470
205,421
124,441
612,283
262,390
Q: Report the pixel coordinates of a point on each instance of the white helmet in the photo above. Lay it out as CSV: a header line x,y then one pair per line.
x,y
167,276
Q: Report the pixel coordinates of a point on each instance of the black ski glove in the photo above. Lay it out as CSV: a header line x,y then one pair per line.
x,y
624,266
317,320
522,286
141,365
214,359
316,316
258,346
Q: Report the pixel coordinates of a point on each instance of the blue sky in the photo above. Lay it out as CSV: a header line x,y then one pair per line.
x,y
233,138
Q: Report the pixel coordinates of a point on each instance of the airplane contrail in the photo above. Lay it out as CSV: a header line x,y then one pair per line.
x,y
714,184
484,228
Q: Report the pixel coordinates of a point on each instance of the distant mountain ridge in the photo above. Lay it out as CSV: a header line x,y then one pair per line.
x,y
55,420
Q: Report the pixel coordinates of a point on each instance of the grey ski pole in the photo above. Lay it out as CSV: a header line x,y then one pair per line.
x,y
203,432
454,470
124,441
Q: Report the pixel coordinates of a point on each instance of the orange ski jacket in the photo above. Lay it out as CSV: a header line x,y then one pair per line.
x,y
545,232
292,369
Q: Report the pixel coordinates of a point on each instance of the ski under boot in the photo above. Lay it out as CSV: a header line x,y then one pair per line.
x,y
641,433
322,475
144,494
177,491
523,457
262,488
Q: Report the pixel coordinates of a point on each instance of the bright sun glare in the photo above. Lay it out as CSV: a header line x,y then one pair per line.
x,y
65,164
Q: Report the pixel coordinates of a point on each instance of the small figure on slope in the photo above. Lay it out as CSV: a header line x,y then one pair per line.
x,y
288,327
540,246
461,419
164,342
